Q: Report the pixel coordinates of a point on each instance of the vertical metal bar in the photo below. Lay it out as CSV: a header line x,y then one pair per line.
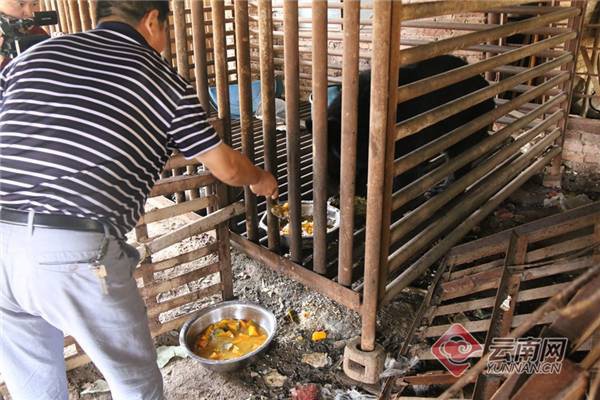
x,y
84,11
65,24
199,38
350,60
74,16
319,117
292,121
183,66
92,11
392,108
382,11
244,75
222,77
576,24
267,86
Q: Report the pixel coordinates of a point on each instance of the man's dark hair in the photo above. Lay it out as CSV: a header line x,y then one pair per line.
x,y
131,11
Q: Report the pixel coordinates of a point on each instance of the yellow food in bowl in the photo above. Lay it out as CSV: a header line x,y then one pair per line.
x,y
229,339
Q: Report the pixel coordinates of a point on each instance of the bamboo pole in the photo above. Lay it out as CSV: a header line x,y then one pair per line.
x,y
319,117
200,62
267,84
244,73
377,140
63,13
348,140
222,78
92,12
437,146
438,8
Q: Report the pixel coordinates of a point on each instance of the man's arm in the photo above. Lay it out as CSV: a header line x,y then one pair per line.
x,y
234,169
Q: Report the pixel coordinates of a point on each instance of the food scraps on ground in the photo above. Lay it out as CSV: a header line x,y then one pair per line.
x,y
317,336
230,338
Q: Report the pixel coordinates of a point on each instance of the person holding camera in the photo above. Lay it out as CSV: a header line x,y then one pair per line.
x,y
18,9
87,123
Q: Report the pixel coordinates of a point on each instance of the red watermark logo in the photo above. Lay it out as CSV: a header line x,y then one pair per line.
x,y
454,349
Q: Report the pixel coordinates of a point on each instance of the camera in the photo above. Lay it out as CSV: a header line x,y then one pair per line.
x,y
16,32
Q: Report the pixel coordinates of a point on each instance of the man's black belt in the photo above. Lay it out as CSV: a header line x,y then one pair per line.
x,y
54,221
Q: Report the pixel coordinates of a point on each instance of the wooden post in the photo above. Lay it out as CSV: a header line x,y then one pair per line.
x,y
292,99
92,12
84,12
348,141
319,131
267,84
199,40
222,77
244,75
63,13
74,16
378,124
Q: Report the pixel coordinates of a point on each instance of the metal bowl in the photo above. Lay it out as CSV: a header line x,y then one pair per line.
x,y
226,310
333,219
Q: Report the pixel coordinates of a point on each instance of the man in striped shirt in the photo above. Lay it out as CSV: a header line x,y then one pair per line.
x,y
87,122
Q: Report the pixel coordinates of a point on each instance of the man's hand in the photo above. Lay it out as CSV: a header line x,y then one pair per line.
x,y
266,186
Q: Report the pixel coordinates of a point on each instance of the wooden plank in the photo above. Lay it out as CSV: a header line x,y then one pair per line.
x,y
180,258
158,287
179,183
178,209
184,299
538,230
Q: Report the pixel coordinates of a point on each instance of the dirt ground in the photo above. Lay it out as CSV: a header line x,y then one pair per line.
x,y
282,368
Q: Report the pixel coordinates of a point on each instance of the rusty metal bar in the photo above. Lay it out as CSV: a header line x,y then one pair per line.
x,y
265,27
319,117
74,16
409,161
426,119
84,11
326,286
419,186
403,226
244,73
183,66
424,262
199,44
390,148
444,46
222,77
492,185
292,120
576,24
348,140
432,83
382,11
501,320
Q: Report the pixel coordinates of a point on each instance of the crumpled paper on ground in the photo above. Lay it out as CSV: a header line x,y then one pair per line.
x,y
164,354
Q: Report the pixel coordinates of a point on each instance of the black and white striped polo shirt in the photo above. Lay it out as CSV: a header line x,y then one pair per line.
x,y
87,122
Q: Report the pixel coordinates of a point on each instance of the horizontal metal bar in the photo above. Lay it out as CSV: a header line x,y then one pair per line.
x,y
421,121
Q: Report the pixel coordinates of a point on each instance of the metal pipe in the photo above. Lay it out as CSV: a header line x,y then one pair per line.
x,y
375,183
493,184
424,262
419,186
244,73
265,27
292,121
432,148
432,83
199,44
426,119
319,117
445,46
403,226
350,46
